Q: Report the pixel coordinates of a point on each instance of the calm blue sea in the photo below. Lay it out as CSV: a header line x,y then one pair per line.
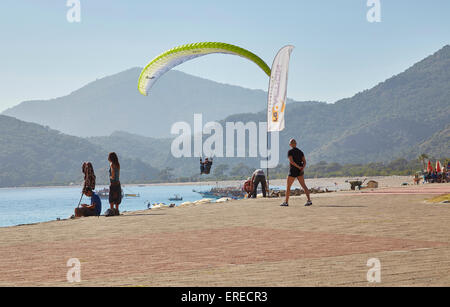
x,y
33,205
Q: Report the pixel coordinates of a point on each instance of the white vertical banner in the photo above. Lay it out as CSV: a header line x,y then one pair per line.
x,y
278,90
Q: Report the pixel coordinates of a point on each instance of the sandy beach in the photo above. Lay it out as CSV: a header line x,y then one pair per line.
x,y
246,243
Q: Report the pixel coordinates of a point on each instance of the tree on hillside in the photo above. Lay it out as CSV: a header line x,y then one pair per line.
x,y
241,170
166,174
220,170
422,159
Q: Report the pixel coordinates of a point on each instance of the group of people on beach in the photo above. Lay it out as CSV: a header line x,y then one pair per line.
x,y
437,177
115,190
430,175
297,164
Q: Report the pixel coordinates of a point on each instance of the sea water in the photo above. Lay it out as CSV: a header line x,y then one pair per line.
x,y
33,205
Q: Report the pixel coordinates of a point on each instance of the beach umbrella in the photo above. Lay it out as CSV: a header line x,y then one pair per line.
x,y
438,167
430,167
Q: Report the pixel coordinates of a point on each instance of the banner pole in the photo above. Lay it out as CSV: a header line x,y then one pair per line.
x,y
267,133
267,152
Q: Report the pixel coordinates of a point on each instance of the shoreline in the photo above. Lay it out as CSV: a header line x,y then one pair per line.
x,y
278,182
384,182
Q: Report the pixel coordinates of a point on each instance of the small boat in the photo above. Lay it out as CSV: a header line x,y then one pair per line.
x,y
133,195
177,197
104,193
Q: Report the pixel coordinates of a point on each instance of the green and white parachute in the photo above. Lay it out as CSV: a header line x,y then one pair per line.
x,y
178,55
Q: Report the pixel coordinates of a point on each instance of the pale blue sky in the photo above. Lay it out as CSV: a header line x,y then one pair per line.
x,y
338,53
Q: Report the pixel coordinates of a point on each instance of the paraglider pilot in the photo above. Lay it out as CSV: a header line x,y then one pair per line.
x,y
205,167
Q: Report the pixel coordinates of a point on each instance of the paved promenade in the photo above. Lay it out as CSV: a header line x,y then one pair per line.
x,y
244,243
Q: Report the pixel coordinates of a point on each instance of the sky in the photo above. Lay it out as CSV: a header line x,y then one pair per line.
x,y
338,52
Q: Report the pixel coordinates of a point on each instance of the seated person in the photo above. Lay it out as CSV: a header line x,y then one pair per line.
x,y
428,177
208,164
433,177
94,209
202,167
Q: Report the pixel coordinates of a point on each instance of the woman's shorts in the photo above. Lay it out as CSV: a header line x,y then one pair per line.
x,y
295,172
115,193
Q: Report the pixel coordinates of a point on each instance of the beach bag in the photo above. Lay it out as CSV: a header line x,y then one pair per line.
x,y
110,212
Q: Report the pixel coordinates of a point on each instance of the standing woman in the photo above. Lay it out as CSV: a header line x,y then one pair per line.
x,y
115,189
297,163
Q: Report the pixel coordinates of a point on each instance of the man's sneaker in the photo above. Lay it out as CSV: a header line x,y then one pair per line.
x,y
285,204
308,203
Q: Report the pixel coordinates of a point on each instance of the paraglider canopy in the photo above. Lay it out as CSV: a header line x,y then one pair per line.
x,y
178,55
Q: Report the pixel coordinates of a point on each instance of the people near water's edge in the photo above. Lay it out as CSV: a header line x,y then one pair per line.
x,y
94,209
205,167
115,189
297,163
257,178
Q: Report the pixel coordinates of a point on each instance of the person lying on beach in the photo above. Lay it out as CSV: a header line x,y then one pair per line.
x,y
94,209
297,164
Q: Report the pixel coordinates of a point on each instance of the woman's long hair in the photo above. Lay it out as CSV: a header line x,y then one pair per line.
x,y
112,157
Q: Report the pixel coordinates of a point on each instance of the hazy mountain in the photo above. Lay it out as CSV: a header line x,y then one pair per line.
x,y
438,145
31,154
114,104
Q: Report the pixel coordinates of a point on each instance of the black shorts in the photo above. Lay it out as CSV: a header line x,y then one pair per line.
x,y
295,172
115,193
87,212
